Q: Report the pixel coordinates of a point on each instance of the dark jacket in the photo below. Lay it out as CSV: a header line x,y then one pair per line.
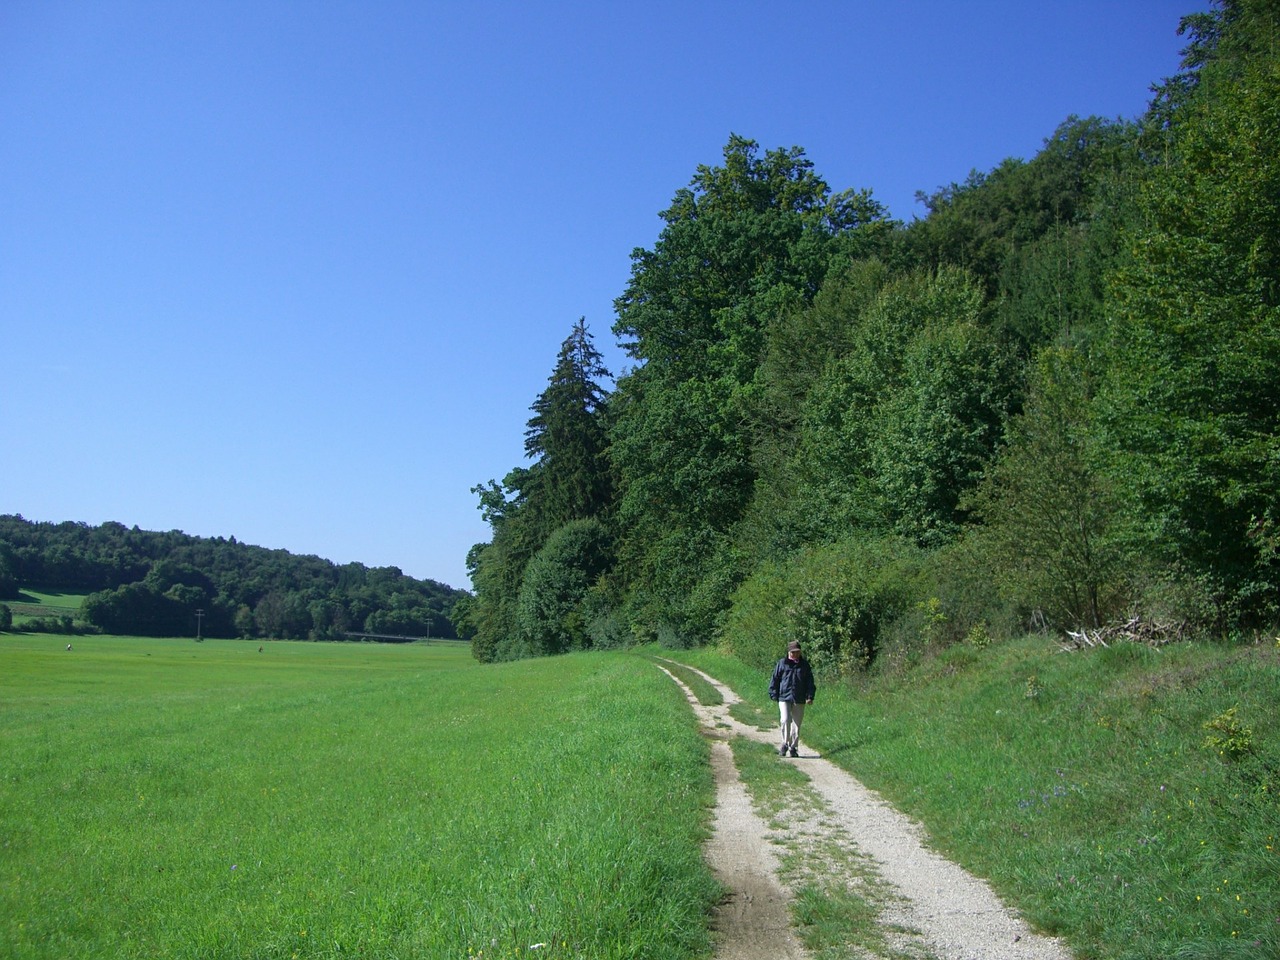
x,y
792,681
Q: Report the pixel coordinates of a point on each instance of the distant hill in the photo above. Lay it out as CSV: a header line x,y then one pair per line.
x,y
171,584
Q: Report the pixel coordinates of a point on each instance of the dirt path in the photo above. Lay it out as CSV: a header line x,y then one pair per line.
x,y
934,907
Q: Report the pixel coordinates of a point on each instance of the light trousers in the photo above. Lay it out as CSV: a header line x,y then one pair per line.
x,y
792,717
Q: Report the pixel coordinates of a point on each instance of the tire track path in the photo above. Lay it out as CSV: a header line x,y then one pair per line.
x,y
957,915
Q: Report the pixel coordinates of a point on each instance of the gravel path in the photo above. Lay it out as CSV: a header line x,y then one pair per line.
x,y
937,906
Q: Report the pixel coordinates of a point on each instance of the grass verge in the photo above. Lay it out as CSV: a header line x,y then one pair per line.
x,y
1122,798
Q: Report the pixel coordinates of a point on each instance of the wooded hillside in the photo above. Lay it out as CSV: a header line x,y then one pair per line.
x,y
1050,401
152,584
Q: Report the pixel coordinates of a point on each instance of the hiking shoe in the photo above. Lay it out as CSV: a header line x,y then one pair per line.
x,y
782,750
793,752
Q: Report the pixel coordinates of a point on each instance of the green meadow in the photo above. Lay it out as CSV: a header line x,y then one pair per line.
x,y
214,800
166,798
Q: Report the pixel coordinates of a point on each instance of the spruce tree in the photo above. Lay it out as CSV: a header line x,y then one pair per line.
x,y
566,435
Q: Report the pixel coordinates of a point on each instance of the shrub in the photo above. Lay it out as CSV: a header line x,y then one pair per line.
x,y
835,599
755,629
978,637
63,625
549,610
1227,737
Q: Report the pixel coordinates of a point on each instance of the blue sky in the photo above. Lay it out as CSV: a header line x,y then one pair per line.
x,y
294,272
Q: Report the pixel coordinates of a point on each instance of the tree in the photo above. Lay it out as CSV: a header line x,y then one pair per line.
x,y
745,243
1050,518
566,435
568,481
901,425
1188,408
152,583
9,584
990,218
243,620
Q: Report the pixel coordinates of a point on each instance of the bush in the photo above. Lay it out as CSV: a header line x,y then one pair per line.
x,y
755,629
606,628
65,625
955,602
550,609
836,600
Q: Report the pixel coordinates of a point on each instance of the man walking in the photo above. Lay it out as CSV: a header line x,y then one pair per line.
x,y
793,688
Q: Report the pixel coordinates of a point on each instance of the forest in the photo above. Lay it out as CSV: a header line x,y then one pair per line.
x,y
145,583
1048,402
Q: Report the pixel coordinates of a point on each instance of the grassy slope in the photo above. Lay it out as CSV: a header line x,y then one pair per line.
x,y
1081,784
167,798
34,603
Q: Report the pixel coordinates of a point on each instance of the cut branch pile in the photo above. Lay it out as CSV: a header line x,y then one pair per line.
x,y
1151,633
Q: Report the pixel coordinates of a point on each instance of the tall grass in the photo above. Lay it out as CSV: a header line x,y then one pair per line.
x,y
168,798
1098,791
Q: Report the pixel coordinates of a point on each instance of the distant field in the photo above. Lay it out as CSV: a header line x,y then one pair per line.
x,y
34,603
168,798
70,601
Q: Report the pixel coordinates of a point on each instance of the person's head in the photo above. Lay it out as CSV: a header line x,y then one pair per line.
x,y
793,650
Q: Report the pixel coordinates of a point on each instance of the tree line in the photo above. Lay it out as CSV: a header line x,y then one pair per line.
x,y
171,584
1049,401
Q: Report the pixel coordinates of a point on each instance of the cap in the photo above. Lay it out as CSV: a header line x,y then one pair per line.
x,y
793,645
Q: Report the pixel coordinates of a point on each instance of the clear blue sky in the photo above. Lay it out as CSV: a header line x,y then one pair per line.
x,y
294,272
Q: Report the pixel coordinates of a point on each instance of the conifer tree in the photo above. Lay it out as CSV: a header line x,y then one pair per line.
x,y
568,481
566,435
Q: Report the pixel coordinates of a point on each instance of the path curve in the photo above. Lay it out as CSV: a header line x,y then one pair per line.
x,y
958,914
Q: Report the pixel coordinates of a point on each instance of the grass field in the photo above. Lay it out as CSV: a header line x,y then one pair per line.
x,y
168,798
163,798
36,603
1127,798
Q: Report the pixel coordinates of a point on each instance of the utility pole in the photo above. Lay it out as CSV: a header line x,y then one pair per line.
x,y
199,618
